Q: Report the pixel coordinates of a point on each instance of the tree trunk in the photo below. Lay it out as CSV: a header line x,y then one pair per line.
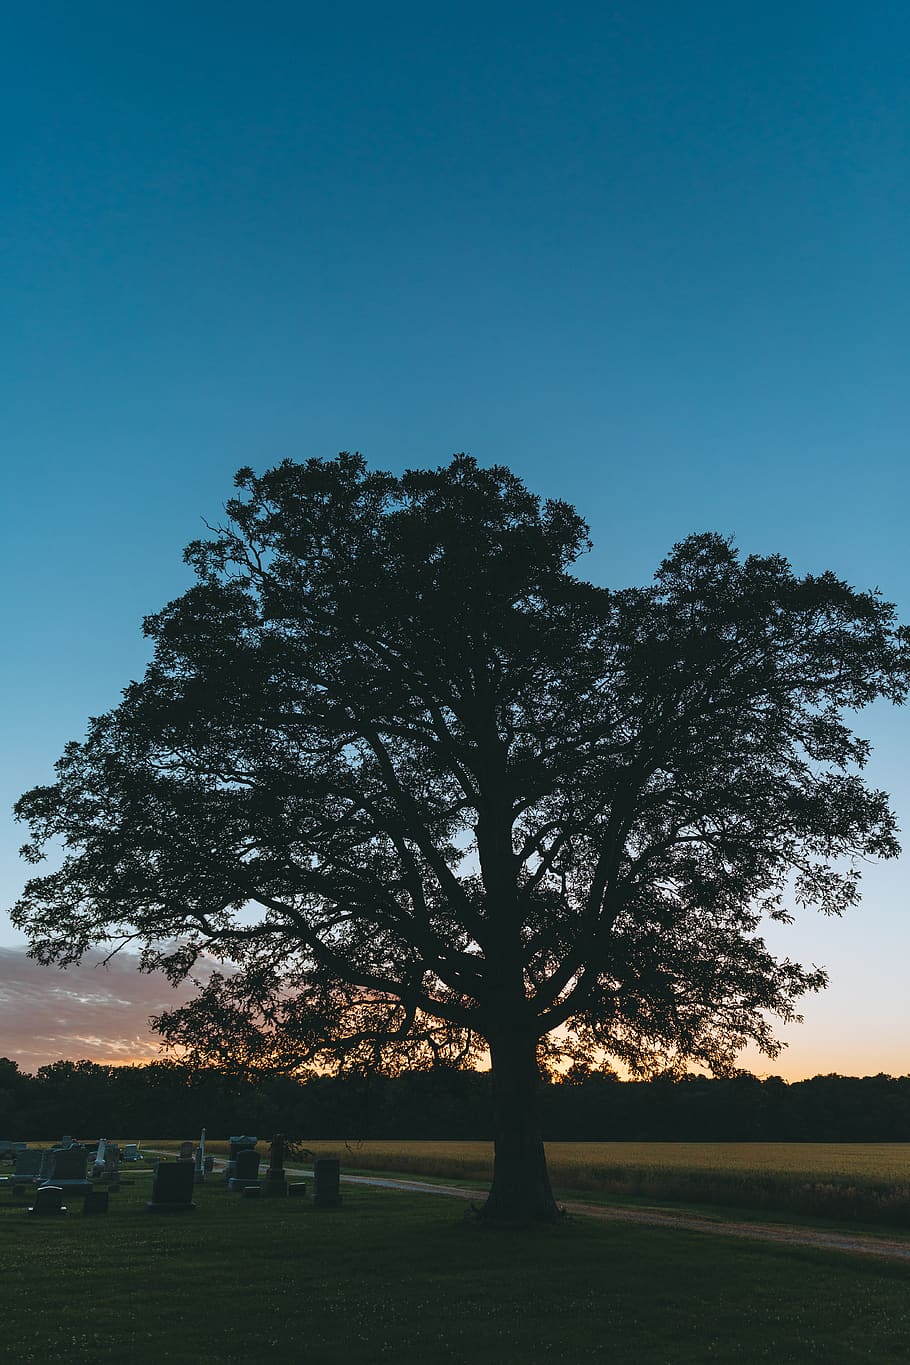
x,y
521,1191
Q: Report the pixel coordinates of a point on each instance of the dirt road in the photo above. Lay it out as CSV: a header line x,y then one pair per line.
x,y
820,1239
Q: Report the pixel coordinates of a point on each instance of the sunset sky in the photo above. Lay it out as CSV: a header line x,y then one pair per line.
x,y
653,256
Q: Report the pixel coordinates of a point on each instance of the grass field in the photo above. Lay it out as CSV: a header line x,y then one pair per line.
x,y
406,1279
868,1182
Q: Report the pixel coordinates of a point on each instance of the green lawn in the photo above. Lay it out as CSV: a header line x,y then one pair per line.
x,y
403,1278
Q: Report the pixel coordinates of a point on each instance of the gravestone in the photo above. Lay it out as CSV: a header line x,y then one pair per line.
x,y
12,1154
186,1152
96,1201
246,1170
67,1169
276,1182
48,1200
98,1164
172,1188
111,1173
326,1183
248,1164
68,1163
297,1189
208,1165
237,1145
131,1152
200,1160
28,1166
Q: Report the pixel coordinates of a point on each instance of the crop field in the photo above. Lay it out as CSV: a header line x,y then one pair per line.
x,y
846,1181
573,1161
580,1164
866,1182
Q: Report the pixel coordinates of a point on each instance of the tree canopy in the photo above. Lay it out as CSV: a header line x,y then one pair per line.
x,y
424,791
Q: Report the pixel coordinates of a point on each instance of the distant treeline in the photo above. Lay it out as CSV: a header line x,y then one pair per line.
x,y
167,1100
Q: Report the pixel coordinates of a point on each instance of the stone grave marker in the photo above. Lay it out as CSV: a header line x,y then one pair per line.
x,y
98,1164
69,1163
172,1188
237,1145
28,1166
96,1201
200,1160
48,1200
246,1170
276,1182
186,1152
111,1173
131,1152
67,1167
326,1183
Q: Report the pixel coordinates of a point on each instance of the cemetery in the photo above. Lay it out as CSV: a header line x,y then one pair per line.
x,y
270,1256
92,1171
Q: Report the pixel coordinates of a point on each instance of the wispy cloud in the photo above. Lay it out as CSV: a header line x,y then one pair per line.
x,y
100,1013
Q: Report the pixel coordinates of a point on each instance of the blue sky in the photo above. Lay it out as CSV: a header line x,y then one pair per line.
x,y
652,256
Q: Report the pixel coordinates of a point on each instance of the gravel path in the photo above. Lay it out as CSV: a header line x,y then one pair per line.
x,y
861,1244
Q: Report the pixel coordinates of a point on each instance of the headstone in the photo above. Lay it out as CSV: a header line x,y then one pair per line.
x,y
248,1164
96,1201
237,1145
298,1189
172,1188
246,1170
111,1173
326,1183
98,1164
131,1152
68,1163
276,1182
28,1166
200,1160
251,1191
208,1165
48,1199
186,1152
67,1168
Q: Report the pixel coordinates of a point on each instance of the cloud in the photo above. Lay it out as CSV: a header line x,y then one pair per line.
x,y
89,1011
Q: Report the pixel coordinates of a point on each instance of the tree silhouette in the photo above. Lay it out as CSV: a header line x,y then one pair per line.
x,y
424,791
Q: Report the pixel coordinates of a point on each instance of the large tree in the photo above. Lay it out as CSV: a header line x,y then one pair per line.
x,y
424,791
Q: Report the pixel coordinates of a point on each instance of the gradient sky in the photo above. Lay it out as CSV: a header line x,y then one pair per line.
x,y
653,256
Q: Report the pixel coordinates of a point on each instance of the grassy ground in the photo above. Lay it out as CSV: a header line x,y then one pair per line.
x,y
867,1183
400,1278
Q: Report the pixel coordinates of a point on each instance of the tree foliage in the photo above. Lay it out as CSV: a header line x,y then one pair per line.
x,y
423,790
